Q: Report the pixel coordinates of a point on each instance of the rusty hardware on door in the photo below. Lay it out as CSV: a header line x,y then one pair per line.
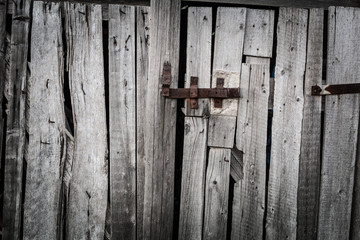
x,y
194,93
335,89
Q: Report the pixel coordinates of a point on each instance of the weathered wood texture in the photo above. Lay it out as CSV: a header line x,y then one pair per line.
x,y
221,131
341,125
236,164
309,173
142,63
160,125
15,133
287,124
259,32
46,124
251,139
89,183
228,49
217,194
198,55
122,112
122,2
193,178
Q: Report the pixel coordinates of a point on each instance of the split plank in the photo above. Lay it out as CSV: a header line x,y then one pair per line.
x,y
259,32
46,124
89,182
193,178
251,139
228,51
287,124
198,55
340,126
309,177
160,115
217,194
142,63
122,110
15,133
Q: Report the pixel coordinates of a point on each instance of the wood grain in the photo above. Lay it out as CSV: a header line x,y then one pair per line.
x,y
160,120
15,132
89,182
221,131
309,174
122,110
340,125
46,124
193,178
217,194
281,219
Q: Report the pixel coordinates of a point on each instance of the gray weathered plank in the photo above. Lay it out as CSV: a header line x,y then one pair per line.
x,y
15,133
259,32
309,177
287,124
122,112
89,182
221,131
228,49
340,125
122,2
198,55
193,178
251,139
217,194
236,164
160,125
142,63
46,124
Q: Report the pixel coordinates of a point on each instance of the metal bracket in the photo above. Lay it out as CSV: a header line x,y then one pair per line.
x,y
335,89
194,93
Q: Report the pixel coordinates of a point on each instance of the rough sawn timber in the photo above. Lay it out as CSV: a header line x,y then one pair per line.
x,y
122,112
309,169
281,219
341,126
15,132
160,125
46,124
89,182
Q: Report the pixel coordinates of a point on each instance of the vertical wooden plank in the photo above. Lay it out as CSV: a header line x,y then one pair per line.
x,y
46,124
198,55
142,63
15,133
161,121
259,32
193,178
309,173
251,139
221,131
217,194
341,125
89,183
287,124
122,86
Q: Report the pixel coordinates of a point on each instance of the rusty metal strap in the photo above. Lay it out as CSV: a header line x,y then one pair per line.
x,y
335,89
204,93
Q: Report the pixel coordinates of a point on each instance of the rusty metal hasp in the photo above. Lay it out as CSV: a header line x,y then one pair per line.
x,y
335,89
193,93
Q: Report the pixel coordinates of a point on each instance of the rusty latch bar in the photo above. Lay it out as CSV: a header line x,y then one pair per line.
x,y
335,89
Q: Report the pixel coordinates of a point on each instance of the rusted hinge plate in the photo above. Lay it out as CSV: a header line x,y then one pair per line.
x,y
335,89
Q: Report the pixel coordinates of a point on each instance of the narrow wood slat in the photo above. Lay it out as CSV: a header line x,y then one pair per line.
x,y
309,173
217,193
160,125
259,32
198,57
15,132
193,178
89,183
46,124
142,63
287,124
341,125
251,139
122,110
